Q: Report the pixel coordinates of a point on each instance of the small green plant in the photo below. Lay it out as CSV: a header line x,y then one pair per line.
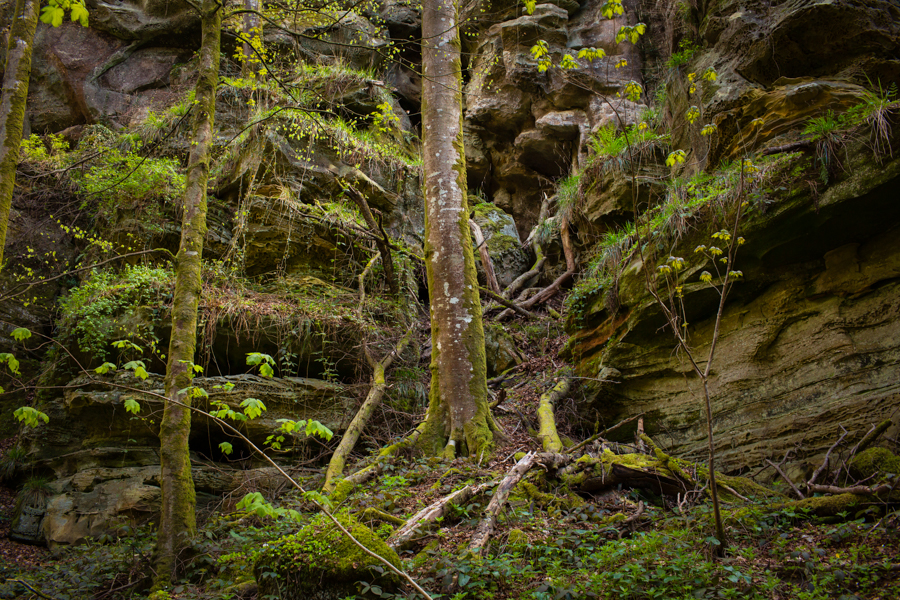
x,y
687,48
10,462
111,304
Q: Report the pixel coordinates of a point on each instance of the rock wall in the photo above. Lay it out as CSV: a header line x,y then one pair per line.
x,y
809,339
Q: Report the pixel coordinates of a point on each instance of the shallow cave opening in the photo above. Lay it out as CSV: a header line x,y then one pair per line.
x,y
204,442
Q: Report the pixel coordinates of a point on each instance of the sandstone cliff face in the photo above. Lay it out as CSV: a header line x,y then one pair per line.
x,y
809,337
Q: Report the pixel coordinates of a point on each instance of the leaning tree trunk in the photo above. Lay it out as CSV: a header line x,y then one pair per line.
x,y
177,521
12,103
458,418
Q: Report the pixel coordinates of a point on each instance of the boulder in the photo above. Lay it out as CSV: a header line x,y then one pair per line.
x,y
502,239
500,349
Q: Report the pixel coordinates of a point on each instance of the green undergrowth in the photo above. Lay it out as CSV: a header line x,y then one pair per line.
x,y
548,545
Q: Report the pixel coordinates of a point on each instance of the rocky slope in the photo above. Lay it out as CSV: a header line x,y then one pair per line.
x,y
810,337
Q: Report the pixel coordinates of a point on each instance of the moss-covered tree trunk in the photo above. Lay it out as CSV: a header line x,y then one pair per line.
x,y
458,419
178,521
12,103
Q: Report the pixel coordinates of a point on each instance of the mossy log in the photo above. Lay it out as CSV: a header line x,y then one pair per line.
x,y
548,434
651,473
344,487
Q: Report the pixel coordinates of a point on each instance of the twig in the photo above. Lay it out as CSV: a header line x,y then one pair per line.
x,y
31,589
824,464
786,478
508,304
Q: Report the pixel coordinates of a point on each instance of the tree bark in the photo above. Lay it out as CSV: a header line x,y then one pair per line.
x,y
458,415
177,520
12,103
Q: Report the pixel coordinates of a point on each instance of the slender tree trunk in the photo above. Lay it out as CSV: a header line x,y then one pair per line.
x,y
358,424
458,415
178,520
251,26
12,103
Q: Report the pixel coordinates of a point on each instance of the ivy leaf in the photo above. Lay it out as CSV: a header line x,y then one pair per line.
x,y
132,406
529,6
226,448
53,15
569,63
675,157
11,361
265,370
318,498
141,373
20,334
256,358
540,49
319,430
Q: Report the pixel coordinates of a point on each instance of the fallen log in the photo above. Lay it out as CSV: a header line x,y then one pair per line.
x,y
432,513
485,529
373,400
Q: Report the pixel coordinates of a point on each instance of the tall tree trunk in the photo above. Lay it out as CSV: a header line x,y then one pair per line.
x,y
178,520
12,103
458,419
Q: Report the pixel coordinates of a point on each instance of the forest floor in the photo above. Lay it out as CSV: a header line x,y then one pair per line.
x,y
549,544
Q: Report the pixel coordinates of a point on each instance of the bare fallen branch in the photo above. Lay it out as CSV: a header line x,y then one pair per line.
x,y
482,534
433,512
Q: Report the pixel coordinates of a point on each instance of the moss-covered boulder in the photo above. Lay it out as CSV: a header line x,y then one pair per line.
x,y
321,563
875,461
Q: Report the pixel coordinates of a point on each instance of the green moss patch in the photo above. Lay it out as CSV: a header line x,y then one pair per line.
x,y
321,563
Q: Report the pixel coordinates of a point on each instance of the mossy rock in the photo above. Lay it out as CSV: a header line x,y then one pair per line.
x,y
321,563
875,460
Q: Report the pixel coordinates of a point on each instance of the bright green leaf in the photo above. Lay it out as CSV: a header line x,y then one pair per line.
x,y
132,406
105,368
20,334
30,416
225,447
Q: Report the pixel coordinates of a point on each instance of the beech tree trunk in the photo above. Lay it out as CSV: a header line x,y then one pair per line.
x,y
12,103
458,418
178,521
